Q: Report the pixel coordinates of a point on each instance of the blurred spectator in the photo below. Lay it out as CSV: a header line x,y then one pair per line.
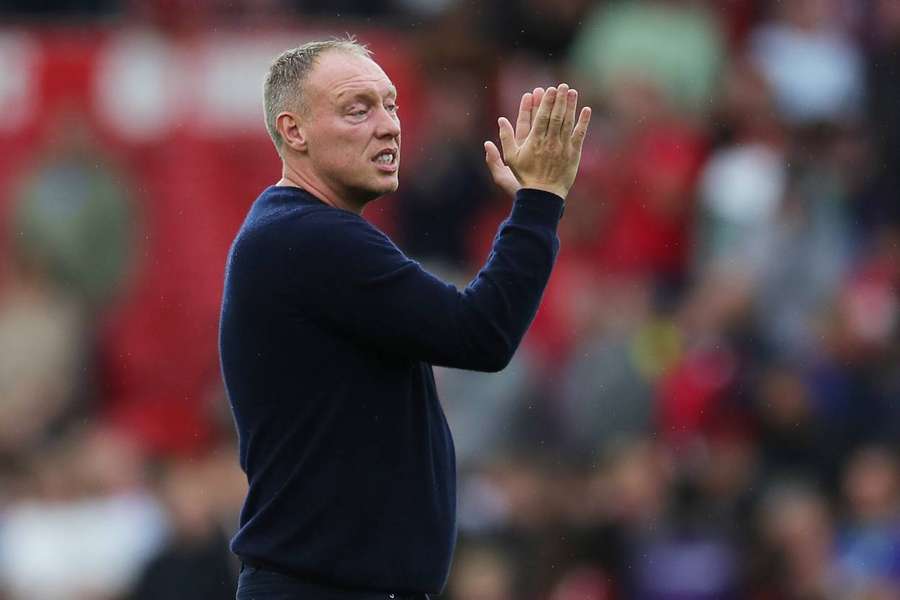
x,y
854,377
727,474
583,583
74,215
798,529
670,46
484,410
672,550
810,248
445,188
70,232
870,540
650,221
482,573
607,389
812,66
195,561
883,91
87,526
570,314
42,333
742,185
742,190
791,434
698,394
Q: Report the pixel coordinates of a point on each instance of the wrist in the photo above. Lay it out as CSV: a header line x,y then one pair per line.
x,y
532,203
556,190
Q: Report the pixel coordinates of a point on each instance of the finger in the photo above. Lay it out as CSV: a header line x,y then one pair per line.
x,y
536,96
569,122
492,156
507,138
581,127
558,114
523,122
500,173
542,118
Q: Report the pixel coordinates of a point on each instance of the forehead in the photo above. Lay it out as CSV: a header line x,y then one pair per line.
x,y
339,74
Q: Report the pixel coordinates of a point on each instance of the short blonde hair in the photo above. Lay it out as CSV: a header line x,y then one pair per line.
x,y
283,88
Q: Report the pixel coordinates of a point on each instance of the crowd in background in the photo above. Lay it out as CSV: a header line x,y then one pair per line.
x,y
707,405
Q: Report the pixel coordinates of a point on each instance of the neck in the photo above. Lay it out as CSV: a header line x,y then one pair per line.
x,y
293,176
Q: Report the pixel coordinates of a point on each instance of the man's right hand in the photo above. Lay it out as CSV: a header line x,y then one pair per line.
x,y
544,150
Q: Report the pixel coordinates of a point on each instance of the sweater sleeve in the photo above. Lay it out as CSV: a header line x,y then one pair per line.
x,y
345,272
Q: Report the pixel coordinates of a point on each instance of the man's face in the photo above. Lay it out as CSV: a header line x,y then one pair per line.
x,y
352,126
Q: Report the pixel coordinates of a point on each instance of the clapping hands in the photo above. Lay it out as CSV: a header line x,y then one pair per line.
x,y
544,150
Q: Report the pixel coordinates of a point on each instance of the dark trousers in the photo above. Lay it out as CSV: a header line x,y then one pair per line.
x,y
262,584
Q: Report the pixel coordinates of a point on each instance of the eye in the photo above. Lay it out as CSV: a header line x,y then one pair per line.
x,y
392,108
358,112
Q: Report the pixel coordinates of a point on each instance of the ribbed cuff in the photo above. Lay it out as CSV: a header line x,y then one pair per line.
x,y
537,207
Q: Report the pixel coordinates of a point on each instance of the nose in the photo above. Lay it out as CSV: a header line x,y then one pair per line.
x,y
388,125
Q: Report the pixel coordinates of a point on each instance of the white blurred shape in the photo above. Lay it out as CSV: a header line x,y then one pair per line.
x,y
19,56
741,189
57,551
815,75
229,75
140,86
744,184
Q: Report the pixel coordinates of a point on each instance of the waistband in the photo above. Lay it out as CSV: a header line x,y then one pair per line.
x,y
314,586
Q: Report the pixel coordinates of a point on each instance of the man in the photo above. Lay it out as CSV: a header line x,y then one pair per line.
x,y
328,333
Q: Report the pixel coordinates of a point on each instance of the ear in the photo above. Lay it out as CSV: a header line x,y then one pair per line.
x,y
292,131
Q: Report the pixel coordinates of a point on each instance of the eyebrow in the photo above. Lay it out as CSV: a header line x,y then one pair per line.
x,y
367,94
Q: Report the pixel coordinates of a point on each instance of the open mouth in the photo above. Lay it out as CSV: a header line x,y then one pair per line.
x,y
386,160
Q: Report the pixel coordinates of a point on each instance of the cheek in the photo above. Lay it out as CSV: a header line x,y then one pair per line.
x,y
340,151
351,146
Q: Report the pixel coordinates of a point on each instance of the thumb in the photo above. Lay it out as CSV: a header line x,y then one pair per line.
x,y
501,173
492,157
507,138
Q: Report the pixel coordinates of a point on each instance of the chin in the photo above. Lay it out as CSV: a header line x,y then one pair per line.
x,y
386,187
373,192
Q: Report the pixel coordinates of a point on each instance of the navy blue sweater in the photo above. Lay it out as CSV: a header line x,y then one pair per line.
x,y
327,338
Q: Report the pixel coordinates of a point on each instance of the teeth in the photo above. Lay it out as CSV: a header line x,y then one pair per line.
x,y
385,159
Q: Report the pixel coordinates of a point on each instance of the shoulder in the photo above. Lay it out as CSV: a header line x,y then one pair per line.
x,y
295,225
272,223
330,228
320,237
342,242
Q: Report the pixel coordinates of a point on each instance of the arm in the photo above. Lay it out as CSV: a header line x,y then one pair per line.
x,y
366,288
